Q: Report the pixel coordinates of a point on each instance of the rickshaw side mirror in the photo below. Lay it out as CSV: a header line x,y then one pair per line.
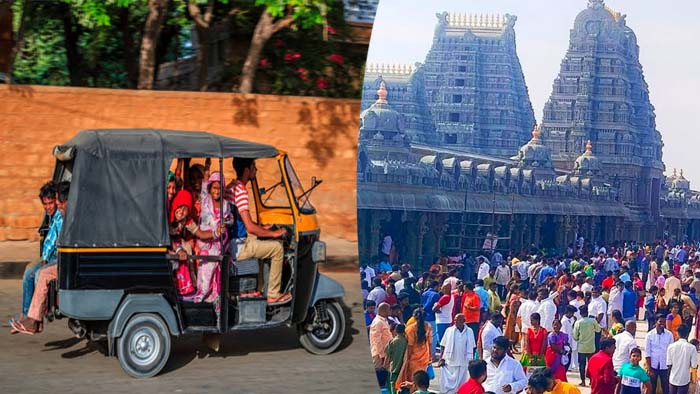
x,y
314,181
262,191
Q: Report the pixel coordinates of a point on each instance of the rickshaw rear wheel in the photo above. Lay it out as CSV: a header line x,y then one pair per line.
x,y
324,328
144,347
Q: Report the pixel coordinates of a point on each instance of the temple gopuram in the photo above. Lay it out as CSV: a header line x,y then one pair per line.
x,y
450,158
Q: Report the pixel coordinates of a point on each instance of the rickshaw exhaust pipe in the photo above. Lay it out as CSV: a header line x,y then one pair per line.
x,y
77,328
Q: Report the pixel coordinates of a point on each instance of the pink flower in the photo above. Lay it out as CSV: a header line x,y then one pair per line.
x,y
291,56
264,63
302,73
331,30
322,84
335,58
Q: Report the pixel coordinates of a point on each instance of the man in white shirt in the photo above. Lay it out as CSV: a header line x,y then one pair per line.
x,y
484,268
528,306
368,273
492,330
598,308
624,343
587,286
546,309
400,284
567,327
502,278
615,298
522,268
504,375
458,345
657,342
681,356
378,294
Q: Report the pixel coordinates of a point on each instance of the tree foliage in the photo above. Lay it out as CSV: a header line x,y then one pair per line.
x,y
96,43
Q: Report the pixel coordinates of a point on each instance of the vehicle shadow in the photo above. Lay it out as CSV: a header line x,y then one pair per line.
x,y
350,330
68,343
191,347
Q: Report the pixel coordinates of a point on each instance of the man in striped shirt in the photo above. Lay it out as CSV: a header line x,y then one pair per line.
x,y
246,247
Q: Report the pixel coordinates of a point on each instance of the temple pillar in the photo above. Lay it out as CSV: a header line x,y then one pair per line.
x,y
537,235
422,231
375,234
411,230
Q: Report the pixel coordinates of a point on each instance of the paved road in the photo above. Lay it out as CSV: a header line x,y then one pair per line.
x,y
271,361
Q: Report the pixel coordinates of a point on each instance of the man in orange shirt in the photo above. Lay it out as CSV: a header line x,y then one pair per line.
x,y
471,307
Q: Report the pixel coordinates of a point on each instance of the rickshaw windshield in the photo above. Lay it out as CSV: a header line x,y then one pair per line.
x,y
300,194
272,189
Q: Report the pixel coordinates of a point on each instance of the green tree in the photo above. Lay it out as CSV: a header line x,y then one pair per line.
x,y
278,15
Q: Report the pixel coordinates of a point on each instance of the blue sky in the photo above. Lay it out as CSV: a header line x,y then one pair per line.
x,y
668,34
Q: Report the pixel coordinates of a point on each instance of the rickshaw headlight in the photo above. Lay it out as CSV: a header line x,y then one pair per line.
x,y
318,252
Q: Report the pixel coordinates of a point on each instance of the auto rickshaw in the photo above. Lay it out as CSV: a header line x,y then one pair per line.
x,y
115,272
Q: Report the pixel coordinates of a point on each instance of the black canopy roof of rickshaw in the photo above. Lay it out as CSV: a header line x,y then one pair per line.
x,y
118,182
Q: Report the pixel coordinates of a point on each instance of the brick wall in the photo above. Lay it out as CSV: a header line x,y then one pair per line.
x,y
320,136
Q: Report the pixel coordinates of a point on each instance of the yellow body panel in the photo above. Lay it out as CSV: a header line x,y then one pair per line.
x,y
290,216
110,250
306,223
276,216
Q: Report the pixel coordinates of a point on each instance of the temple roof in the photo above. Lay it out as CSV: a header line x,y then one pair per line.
x,y
380,117
588,163
482,25
534,153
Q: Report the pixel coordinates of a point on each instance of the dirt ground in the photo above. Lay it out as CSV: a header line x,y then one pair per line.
x,y
267,361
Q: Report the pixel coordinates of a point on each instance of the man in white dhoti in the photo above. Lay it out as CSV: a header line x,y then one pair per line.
x,y
458,346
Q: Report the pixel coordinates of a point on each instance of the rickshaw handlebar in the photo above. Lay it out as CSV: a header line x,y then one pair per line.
x,y
195,257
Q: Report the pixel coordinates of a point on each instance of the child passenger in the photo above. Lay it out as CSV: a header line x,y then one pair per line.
x,y
183,232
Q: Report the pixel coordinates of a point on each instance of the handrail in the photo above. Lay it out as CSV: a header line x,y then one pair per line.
x,y
195,257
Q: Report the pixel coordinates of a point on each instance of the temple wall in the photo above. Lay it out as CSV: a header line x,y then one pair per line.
x,y
319,134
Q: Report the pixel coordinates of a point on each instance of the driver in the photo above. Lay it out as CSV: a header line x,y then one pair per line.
x,y
245,247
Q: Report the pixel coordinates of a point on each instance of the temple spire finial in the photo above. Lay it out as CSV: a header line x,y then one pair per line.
x,y
382,93
675,172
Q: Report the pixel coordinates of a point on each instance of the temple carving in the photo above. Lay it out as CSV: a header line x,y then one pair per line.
x,y
450,154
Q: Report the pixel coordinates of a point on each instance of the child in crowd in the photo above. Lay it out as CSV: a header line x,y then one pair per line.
x,y
633,376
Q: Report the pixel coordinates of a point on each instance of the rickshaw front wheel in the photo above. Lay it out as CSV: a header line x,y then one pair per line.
x,y
144,347
324,328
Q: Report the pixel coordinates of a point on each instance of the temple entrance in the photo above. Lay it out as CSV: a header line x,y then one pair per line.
x,y
548,235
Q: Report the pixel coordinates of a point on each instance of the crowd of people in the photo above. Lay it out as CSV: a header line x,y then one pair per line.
x,y
576,311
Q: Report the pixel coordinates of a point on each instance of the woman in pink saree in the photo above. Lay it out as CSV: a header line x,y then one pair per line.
x,y
209,277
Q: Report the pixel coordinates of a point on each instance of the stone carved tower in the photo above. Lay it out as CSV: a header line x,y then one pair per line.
x,y
474,85
600,95
470,91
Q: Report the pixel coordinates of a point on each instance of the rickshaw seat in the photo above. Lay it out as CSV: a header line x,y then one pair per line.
x,y
245,267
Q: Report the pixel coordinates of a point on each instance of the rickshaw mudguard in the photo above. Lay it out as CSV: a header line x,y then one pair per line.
x,y
326,288
142,303
89,304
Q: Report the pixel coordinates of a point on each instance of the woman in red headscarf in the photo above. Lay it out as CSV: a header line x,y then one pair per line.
x,y
183,232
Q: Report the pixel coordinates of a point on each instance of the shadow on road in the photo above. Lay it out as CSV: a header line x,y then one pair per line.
x,y
63,344
240,344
